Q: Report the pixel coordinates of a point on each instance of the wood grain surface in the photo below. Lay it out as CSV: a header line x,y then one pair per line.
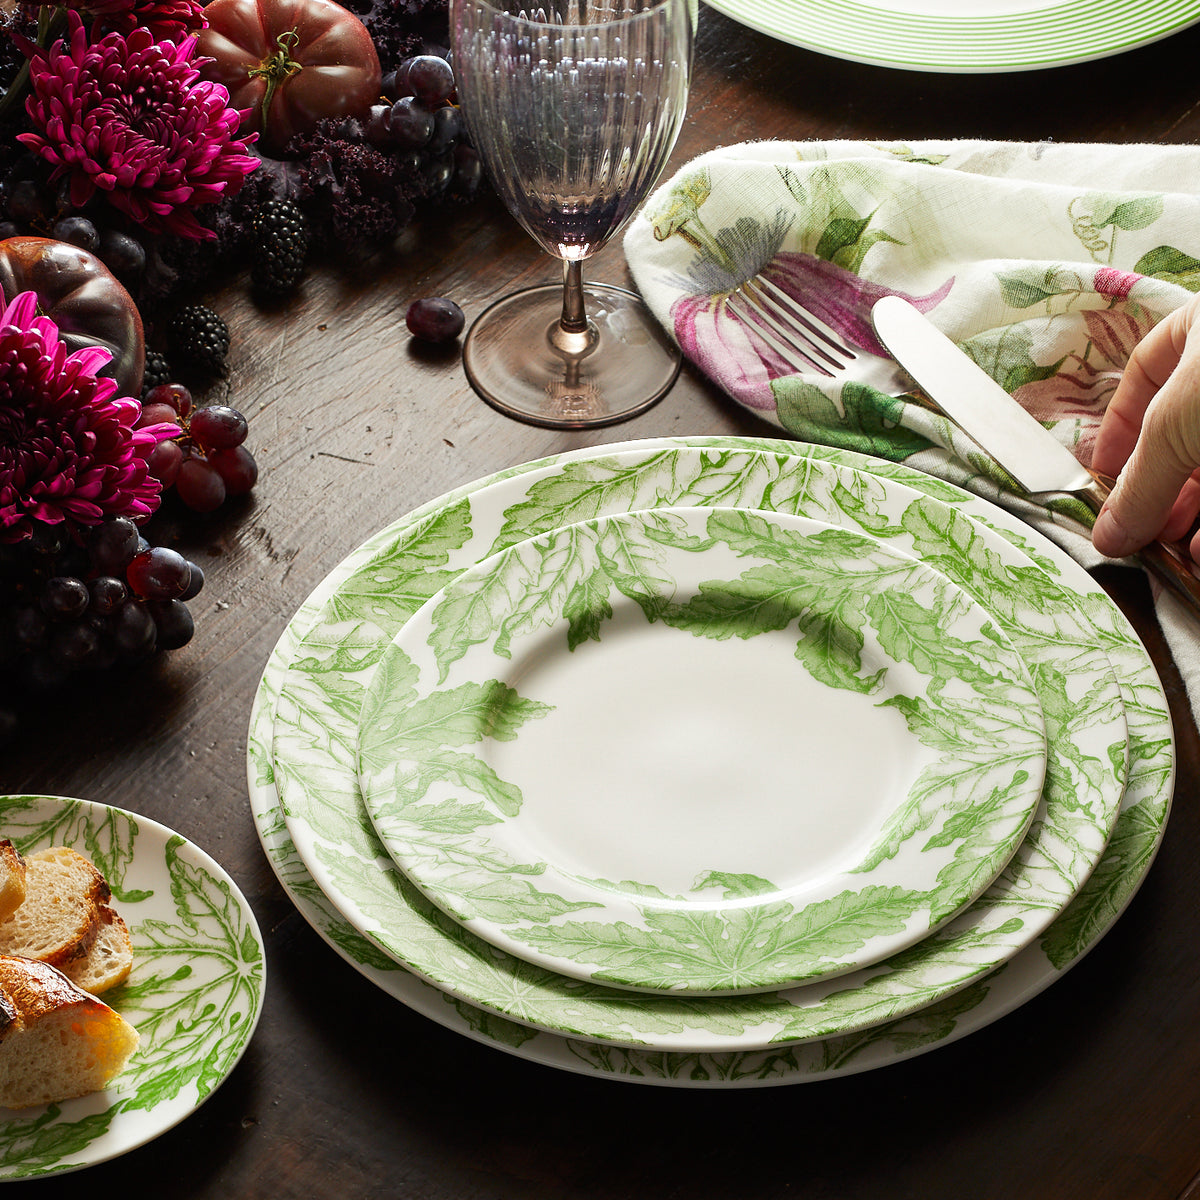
x,y
1092,1091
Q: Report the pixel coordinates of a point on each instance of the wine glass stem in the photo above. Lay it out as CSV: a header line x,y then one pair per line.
x,y
574,319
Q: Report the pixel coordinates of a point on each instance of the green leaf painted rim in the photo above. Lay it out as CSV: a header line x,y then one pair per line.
x,y
876,33
407,928
871,625
194,994
1144,805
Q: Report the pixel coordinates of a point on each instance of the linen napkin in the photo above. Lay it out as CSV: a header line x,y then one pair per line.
x,y
1046,263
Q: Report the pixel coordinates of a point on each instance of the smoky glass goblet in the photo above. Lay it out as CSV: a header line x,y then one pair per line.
x,y
574,108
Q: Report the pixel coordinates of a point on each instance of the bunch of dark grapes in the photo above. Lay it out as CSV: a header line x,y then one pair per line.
x,y
363,181
208,461
76,601
425,125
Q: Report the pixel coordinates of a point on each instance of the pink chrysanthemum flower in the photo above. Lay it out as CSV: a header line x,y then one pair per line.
x,y
131,118
68,447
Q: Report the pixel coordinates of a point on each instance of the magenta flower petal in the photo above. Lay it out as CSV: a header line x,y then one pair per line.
x,y
130,117
68,447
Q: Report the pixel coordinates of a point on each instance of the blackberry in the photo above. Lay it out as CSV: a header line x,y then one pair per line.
x,y
157,371
199,337
280,247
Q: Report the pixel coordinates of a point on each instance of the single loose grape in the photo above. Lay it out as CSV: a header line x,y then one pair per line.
x,y
434,319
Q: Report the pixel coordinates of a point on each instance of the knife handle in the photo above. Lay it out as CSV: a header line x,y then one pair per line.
x,y
1169,564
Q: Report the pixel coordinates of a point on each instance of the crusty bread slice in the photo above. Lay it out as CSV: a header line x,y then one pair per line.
x,y
60,915
64,1042
110,958
12,878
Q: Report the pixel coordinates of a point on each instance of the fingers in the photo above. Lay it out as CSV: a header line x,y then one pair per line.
x,y
1183,512
1151,436
1149,367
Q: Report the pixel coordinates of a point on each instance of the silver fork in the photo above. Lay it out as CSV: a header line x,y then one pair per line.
x,y
807,344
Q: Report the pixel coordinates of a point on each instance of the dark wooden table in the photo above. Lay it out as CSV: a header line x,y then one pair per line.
x,y
1090,1091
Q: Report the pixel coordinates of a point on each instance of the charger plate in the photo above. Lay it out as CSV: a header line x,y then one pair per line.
x,y
965,36
1069,633
701,750
194,994
1061,943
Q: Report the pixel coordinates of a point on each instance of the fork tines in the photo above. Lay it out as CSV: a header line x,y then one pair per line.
x,y
802,340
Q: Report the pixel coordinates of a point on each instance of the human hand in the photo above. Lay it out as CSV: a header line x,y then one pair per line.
x,y
1149,439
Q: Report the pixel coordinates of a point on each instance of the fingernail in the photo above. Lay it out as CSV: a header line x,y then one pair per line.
x,y
1109,537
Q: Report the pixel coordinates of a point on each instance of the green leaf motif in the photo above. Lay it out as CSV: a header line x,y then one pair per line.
x,y
867,420
740,948
32,1148
400,579
1171,264
458,716
1116,209
1029,288
735,884
190,1036
1107,891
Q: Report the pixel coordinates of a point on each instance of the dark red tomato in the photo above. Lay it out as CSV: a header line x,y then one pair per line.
x,y
313,57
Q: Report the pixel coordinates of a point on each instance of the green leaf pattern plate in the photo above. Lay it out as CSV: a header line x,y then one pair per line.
x,y
988,995
701,750
194,994
1069,633
965,35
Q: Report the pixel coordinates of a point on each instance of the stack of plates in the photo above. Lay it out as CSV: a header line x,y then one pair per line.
x,y
710,762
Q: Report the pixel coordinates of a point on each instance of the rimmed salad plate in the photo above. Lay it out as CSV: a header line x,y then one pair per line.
x,y
701,750
194,994
1071,637
965,36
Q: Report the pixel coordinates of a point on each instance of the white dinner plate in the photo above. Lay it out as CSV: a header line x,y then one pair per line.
x,y
701,750
1074,640
194,994
962,36
1059,945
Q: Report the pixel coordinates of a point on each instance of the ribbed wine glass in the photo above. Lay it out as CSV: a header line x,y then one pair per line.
x,y
574,108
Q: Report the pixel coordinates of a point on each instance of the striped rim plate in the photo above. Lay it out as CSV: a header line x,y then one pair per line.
x,y
965,35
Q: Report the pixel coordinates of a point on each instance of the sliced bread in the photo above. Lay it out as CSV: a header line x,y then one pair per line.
x,y
12,879
61,913
110,958
62,1043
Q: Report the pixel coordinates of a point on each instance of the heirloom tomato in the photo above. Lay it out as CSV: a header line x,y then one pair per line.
x,y
83,298
291,62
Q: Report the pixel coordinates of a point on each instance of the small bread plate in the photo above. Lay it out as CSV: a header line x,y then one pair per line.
x,y
194,994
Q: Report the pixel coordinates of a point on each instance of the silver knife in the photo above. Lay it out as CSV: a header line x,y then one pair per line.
x,y
979,406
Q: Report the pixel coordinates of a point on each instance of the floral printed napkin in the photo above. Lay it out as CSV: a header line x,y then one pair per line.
x,y
1046,263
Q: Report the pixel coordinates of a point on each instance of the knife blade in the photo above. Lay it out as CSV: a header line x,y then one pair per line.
x,y
1028,451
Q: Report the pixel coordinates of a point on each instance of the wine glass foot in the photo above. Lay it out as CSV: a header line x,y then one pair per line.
x,y
622,366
